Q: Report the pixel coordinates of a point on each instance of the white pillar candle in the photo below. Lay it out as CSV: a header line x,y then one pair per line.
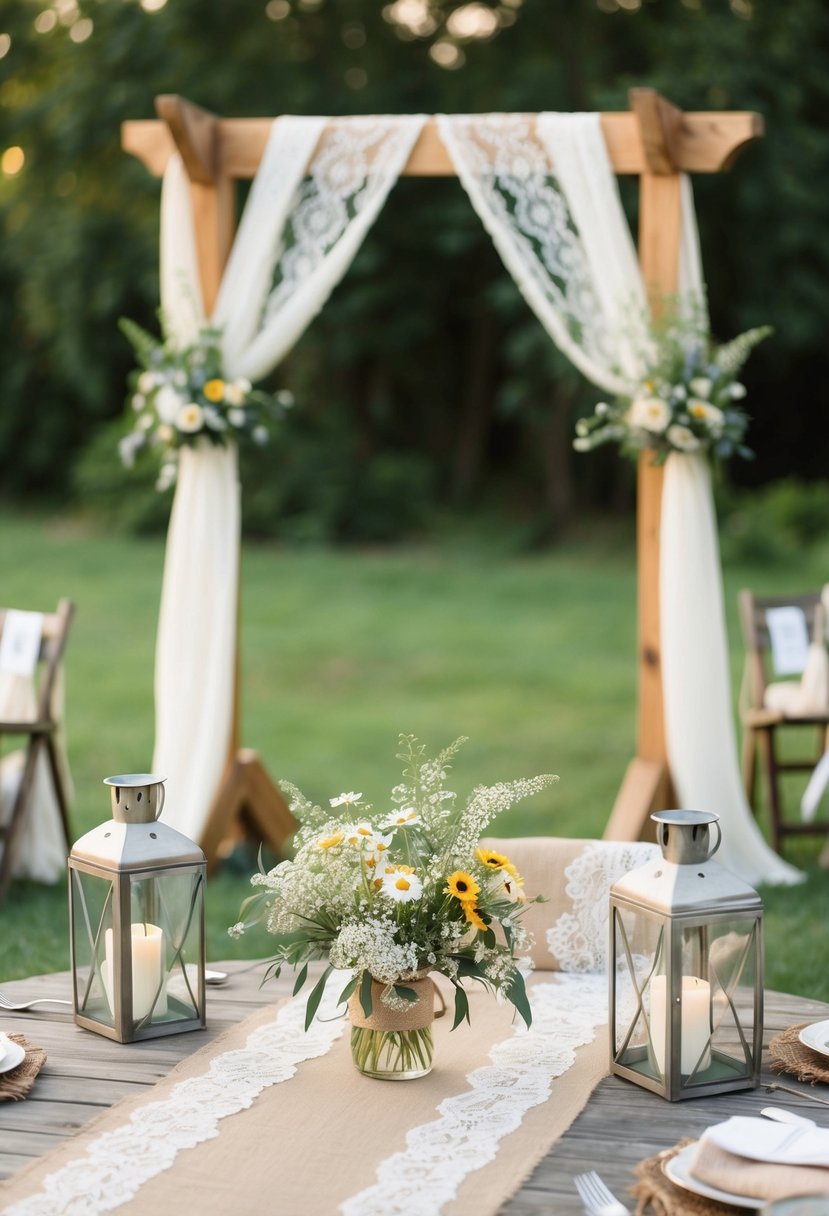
x,y
695,1022
147,970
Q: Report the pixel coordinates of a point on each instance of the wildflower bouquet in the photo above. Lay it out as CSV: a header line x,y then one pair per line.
x,y
181,396
392,894
687,400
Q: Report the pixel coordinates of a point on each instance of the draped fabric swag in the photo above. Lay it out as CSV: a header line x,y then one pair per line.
x,y
564,238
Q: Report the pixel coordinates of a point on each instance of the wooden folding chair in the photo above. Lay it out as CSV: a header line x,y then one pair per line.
x,y
40,733
761,724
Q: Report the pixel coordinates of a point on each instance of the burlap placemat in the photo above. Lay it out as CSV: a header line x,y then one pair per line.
x,y
16,1083
657,1194
789,1055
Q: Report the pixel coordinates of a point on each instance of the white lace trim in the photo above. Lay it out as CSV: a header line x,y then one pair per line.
x,y
542,187
579,938
438,1156
118,1163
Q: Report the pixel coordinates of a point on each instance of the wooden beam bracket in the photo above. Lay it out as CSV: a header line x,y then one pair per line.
x,y
660,125
195,133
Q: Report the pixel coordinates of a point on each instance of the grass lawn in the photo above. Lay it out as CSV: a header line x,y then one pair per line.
x,y
532,657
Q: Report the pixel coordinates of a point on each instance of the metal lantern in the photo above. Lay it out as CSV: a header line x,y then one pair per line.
x,y
686,975
136,912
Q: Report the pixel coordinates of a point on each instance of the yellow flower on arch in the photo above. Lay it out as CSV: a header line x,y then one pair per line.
x,y
214,390
462,886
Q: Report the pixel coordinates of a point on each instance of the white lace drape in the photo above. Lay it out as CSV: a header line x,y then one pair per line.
x,y
299,233
580,937
546,192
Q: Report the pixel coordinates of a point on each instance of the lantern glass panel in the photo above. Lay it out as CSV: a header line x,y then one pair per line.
x,y
91,922
733,956
172,904
638,951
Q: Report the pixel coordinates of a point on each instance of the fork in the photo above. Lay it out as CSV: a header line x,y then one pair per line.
x,y
595,1196
11,1007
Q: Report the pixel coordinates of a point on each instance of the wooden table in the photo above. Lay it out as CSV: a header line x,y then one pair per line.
x,y
620,1125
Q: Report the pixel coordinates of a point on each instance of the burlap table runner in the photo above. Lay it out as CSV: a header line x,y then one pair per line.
x,y
789,1055
16,1083
312,1142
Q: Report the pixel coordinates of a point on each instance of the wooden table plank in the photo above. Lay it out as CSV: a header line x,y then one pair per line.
x,y
621,1124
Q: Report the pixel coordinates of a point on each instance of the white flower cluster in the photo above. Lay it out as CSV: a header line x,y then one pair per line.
x,y
182,396
370,945
687,400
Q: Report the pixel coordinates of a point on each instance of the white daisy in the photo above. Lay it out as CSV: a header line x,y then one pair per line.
x,y
705,412
401,886
190,418
406,816
737,390
700,386
349,799
168,403
649,414
682,439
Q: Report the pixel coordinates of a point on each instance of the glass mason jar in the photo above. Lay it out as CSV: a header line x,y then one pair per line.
x,y
394,1044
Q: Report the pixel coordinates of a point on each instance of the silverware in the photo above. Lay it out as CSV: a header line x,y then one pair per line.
x,y
596,1198
785,1116
12,1007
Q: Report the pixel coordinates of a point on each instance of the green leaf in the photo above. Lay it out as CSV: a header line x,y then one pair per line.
x,y
489,938
408,994
517,993
365,994
461,1007
316,996
300,979
347,991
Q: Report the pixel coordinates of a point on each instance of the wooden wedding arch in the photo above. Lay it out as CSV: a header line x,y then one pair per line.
x,y
653,140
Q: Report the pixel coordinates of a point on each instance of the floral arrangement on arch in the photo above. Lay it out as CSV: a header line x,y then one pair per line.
x,y
180,396
391,894
688,399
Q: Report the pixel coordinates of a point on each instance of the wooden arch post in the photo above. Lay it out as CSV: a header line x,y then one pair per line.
x,y
653,140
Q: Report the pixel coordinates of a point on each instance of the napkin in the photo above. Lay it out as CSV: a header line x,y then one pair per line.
x,y
758,1159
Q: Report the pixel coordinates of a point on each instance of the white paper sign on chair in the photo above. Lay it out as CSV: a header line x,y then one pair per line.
x,y
20,642
789,636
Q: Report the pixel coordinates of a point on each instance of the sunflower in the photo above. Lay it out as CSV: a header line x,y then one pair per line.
x,y
472,914
462,886
498,861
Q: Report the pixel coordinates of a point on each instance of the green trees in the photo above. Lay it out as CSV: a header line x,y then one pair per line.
x,y
426,381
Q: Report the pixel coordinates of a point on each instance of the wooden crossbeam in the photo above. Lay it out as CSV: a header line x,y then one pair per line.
x,y
700,143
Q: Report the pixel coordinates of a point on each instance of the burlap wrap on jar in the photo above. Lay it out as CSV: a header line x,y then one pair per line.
x,y
416,1015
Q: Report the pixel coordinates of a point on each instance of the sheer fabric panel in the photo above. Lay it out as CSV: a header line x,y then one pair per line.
x,y
317,192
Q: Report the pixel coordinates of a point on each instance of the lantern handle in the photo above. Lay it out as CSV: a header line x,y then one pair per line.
x,y
162,790
715,824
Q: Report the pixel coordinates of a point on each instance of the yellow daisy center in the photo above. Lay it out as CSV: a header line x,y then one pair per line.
x,y
402,884
214,390
330,841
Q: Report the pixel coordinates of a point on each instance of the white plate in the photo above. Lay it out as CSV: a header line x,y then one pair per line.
x,y
816,1037
12,1054
679,1172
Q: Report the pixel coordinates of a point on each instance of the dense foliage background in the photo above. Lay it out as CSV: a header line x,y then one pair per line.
x,y
426,385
